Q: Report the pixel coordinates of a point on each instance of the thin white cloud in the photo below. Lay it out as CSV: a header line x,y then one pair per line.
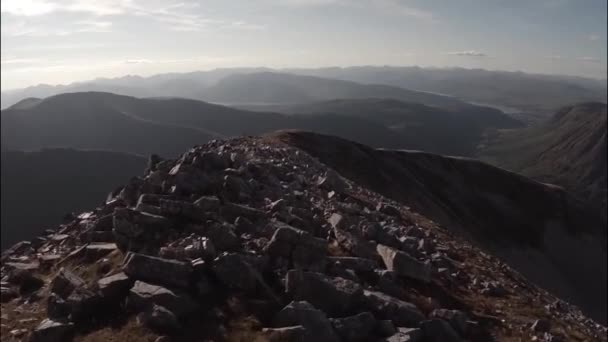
x,y
589,59
27,7
396,7
468,53
593,37
18,61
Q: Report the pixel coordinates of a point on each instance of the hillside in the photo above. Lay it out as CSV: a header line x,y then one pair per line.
x,y
550,237
40,188
169,125
568,150
421,127
255,239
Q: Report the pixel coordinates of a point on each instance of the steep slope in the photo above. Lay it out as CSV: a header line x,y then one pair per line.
x,y
421,127
40,188
91,121
254,240
569,150
540,230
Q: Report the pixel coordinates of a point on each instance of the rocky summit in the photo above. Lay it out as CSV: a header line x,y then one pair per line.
x,y
252,239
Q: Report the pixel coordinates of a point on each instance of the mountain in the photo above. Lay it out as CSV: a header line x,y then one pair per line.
x,y
568,150
91,121
260,239
533,94
550,237
40,188
168,125
421,127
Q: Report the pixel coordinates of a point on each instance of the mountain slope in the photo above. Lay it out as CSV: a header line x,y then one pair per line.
x,y
421,127
253,239
91,121
540,230
569,150
40,188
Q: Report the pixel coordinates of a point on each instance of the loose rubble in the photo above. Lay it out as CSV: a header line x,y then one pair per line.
x,y
252,230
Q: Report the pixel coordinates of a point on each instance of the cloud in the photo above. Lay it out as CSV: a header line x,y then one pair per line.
x,y
396,7
18,61
554,57
469,53
593,37
589,59
26,7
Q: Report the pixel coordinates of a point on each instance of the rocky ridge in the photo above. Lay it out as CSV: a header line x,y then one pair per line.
x,y
251,239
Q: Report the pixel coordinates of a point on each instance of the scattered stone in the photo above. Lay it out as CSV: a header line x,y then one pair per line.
x,y
132,224
331,181
159,319
541,325
95,251
317,325
386,307
115,286
388,209
303,249
158,270
234,271
208,203
52,331
354,263
355,328
403,264
385,328
334,295
295,333
407,335
457,319
143,295
223,236
7,294
65,282
231,211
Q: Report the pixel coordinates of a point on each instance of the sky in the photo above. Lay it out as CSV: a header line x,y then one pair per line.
x,y
62,41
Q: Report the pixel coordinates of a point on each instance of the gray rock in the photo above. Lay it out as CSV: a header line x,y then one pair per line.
x,y
56,307
388,209
158,270
159,319
437,330
234,271
317,325
208,203
403,264
181,208
7,294
407,335
385,328
356,244
104,223
97,250
25,280
132,224
331,181
230,211
304,250
295,333
456,318
52,331
101,236
143,296
386,307
355,328
223,236
65,282
389,284
334,295
354,263
82,304
115,286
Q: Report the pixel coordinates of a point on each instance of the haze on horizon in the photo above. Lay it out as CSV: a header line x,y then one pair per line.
x,y
62,41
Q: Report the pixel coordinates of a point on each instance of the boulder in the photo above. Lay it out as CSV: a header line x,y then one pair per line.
x,y
25,280
315,322
97,250
355,244
540,325
388,209
386,307
355,328
115,286
7,293
407,335
181,208
158,270
296,333
143,296
230,211
52,331
159,319
456,318
304,250
354,263
437,330
331,181
403,264
82,304
334,295
223,236
65,282
132,224
235,272
208,204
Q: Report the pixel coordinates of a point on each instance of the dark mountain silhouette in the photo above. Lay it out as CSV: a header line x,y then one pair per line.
x,y
420,127
164,126
39,188
540,230
568,150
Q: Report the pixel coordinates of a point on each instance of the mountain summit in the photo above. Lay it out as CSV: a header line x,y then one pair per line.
x,y
260,239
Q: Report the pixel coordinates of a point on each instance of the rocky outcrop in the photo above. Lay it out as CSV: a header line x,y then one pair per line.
x,y
251,237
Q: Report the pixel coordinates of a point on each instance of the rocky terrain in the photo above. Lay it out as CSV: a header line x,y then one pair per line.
x,y
255,239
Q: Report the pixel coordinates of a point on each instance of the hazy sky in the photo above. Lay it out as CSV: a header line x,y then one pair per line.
x,y
61,41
